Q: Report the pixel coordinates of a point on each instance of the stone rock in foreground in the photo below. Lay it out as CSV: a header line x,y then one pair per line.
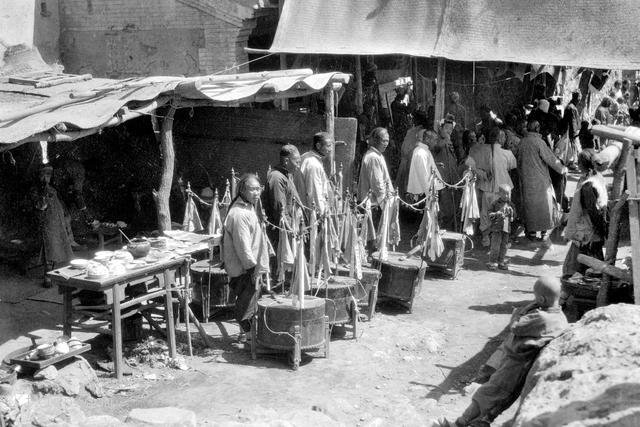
x,y
589,376
168,416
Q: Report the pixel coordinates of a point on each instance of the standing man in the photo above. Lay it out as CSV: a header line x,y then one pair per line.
x,y
538,197
281,195
571,123
374,175
314,177
242,252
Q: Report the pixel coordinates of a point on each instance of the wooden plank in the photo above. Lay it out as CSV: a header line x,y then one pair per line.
x,y
39,364
634,224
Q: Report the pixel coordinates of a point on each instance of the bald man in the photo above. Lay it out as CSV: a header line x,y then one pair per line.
x,y
316,182
531,328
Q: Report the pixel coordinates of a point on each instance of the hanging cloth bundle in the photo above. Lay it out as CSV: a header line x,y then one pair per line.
x,y
383,231
469,205
313,241
286,251
225,203
215,221
191,220
301,282
433,242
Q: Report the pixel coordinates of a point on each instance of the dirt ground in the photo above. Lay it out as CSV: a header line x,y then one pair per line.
x,y
403,369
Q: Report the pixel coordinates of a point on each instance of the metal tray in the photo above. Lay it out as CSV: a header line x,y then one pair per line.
x,y
39,364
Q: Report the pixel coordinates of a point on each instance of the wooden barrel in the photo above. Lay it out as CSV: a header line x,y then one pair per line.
x,y
277,319
369,281
206,275
339,293
401,277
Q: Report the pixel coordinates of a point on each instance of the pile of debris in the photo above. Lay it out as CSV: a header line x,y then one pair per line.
x,y
589,375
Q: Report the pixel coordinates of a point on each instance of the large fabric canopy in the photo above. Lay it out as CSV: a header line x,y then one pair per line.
x,y
590,33
73,109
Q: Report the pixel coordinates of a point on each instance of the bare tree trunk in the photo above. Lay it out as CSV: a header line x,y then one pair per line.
x,y
161,196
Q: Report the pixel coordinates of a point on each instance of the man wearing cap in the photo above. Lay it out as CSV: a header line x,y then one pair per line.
x,y
281,195
447,163
535,159
587,225
314,177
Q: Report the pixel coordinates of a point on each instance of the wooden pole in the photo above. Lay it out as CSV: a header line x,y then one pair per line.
x,y
634,224
359,94
284,102
440,93
611,245
330,121
167,150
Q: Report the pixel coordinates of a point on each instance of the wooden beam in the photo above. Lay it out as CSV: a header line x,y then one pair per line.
x,y
283,59
603,267
634,224
329,121
440,92
161,196
611,245
359,94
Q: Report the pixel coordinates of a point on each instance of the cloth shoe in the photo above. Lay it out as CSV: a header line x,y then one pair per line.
x,y
503,266
492,266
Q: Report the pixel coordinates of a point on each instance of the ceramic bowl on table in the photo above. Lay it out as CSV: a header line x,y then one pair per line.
x,y
139,248
45,351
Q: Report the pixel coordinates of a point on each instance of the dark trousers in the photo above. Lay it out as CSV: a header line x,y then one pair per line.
x,y
246,301
499,240
376,214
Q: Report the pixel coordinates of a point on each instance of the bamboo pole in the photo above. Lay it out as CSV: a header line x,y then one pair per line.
x,y
440,93
161,196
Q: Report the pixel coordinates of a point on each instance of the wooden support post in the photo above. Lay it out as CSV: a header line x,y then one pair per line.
x,y
634,224
611,245
161,196
329,122
359,94
440,93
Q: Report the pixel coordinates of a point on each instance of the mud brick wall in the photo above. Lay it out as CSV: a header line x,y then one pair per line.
x,y
124,38
214,140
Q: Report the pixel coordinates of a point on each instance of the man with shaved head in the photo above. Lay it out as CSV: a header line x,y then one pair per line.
x,y
531,328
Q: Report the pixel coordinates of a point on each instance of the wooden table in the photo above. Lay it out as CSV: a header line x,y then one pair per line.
x,y
166,271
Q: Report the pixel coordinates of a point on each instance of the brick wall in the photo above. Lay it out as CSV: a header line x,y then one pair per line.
x,y
122,38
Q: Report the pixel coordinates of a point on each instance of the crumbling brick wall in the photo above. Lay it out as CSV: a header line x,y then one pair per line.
x,y
123,38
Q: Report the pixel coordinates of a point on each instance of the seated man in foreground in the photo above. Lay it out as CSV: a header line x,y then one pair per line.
x,y
531,328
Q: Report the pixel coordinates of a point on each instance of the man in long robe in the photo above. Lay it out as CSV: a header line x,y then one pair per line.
x,y
538,196
244,261
447,162
374,176
56,240
316,182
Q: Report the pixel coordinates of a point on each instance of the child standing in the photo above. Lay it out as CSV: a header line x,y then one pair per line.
x,y
501,215
531,328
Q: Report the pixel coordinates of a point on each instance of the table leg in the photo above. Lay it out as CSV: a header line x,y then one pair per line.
x,y
171,331
67,310
116,326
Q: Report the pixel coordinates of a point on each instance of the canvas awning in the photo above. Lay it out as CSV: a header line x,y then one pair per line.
x,y
70,111
589,33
